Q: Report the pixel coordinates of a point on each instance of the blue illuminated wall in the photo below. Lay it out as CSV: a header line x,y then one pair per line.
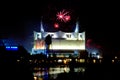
x,y
9,44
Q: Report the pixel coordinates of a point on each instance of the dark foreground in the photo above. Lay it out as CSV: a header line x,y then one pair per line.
x,y
94,72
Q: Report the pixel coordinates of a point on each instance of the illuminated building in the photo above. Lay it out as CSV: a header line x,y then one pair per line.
x,y
11,47
63,44
9,44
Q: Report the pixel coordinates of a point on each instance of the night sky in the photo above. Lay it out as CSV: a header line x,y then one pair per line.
x,y
99,19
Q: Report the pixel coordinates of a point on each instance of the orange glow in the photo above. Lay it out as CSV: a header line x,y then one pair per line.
x,y
39,44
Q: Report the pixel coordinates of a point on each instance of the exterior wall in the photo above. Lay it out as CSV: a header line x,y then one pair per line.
x,y
61,41
60,34
60,44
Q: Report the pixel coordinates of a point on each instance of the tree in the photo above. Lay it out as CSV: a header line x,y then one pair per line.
x,y
48,41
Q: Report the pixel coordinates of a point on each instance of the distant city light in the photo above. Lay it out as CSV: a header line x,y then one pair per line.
x,y
93,48
11,48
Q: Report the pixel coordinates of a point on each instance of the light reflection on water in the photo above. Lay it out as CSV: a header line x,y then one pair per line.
x,y
41,73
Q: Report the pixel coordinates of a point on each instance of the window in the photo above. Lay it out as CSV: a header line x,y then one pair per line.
x,y
68,35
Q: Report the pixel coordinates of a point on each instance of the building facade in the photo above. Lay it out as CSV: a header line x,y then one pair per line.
x,y
63,44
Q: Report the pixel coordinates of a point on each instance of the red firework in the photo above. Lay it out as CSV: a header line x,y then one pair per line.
x,y
63,16
56,25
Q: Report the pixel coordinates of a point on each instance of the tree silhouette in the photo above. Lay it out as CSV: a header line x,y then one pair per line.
x,y
48,41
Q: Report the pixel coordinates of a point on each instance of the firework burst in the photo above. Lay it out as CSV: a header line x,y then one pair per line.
x,y
63,16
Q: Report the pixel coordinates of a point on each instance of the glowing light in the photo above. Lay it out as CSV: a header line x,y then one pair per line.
x,y
35,78
94,61
60,16
63,16
67,45
11,48
39,44
67,18
59,60
18,60
77,28
56,25
65,62
15,47
115,57
82,60
41,27
98,56
113,61
7,47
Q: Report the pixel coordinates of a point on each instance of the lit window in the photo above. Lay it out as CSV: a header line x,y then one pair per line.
x,y
11,48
